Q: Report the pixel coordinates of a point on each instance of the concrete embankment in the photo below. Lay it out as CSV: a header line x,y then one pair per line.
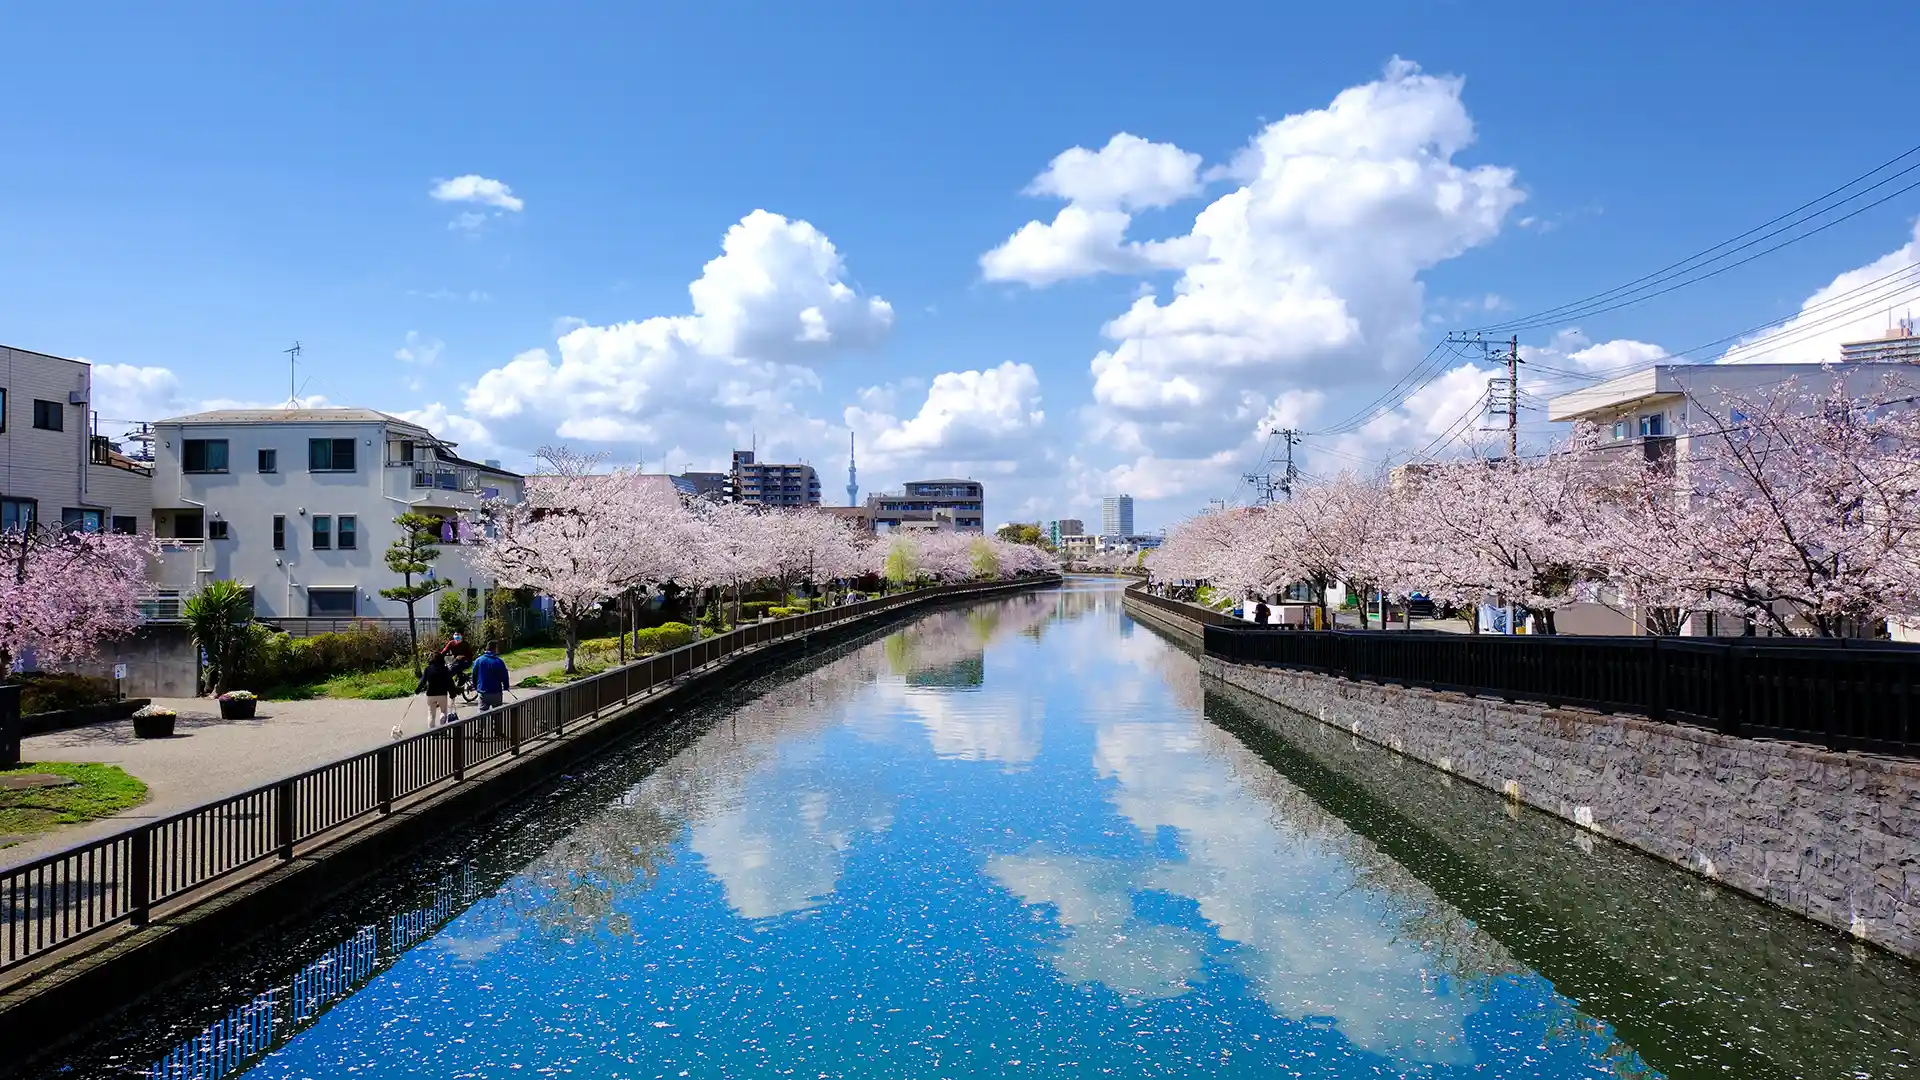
x,y
1832,836
49,1000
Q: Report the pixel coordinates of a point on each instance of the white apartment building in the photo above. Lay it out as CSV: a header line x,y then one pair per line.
x,y
300,504
54,466
1116,515
1656,413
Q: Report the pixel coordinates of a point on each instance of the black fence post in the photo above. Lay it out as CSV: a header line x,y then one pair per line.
x,y
383,778
139,875
513,728
459,734
284,797
1657,706
9,724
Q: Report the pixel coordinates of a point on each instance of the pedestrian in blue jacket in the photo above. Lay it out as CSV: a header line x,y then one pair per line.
x,y
490,677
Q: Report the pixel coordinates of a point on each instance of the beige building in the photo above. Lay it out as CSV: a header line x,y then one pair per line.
x,y
55,467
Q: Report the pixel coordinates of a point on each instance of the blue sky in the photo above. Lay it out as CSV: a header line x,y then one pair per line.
x,y
187,192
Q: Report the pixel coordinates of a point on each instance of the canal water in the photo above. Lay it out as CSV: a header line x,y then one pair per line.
x,y
1026,838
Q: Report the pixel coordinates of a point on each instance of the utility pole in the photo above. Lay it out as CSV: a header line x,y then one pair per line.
x,y
1292,439
293,357
1503,394
1513,395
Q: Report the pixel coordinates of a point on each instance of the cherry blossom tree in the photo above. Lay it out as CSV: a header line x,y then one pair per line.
x,y
62,594
564,540
1802,505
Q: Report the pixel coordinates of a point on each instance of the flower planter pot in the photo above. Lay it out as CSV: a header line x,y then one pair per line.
x,y
238,710
153,727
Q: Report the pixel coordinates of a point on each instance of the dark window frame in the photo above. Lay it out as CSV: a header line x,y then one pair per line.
x,y
3,409
205,447
352,608
346,533
16,504
332,456
279,532
132,525
217,530
75,518
322,532
43,410
268,459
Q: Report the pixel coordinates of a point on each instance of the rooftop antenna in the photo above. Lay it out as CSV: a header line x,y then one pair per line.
x,y
293,357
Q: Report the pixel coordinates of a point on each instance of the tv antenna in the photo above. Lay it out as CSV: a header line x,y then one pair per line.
x,y
293,357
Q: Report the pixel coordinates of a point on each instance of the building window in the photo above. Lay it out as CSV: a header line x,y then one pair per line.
x,y
348,533
329,455
1619,430
17,514
49,415
279,532
189,524
203,455
1653,424
216,529
269,461
332,603
3,408
322,533
126,526
80,520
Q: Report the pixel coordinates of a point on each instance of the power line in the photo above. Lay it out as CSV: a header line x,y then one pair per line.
x,y
1623,295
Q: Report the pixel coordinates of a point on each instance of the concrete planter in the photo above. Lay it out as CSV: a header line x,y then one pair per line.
x,y
154,727
238,710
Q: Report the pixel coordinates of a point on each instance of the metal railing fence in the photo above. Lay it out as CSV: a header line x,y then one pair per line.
x,y
1857,695
53,900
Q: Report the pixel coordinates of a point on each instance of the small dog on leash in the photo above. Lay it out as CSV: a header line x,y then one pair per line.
x,y
396,733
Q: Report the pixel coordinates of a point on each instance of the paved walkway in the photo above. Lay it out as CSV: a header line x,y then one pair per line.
x,y
209,758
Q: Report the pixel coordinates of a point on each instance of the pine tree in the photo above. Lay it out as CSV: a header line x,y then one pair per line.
x,y
413,553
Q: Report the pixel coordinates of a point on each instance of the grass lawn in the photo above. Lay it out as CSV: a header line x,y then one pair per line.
x,y
99,791
400,682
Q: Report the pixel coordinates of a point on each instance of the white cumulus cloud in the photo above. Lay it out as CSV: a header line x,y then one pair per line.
x,y
473,188
966,416
130,392
1298,286
1855,306
1102,188
773,300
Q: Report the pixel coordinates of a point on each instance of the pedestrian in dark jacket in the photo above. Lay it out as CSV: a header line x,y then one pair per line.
x,y
436,681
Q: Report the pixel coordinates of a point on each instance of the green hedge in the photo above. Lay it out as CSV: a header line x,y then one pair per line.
x,y
783,612
663,637
43,692
280,659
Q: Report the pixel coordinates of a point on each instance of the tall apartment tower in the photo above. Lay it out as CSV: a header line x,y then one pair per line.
x,y
1116,515
853,478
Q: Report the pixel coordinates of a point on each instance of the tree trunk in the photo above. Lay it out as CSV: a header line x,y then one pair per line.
x,y
573,639
413,633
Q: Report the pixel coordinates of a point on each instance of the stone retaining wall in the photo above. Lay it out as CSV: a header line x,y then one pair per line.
x,y
1832,836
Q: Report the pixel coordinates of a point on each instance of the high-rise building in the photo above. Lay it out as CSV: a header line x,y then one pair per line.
x,y
762,483
1116,515
1900,346
1064,527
